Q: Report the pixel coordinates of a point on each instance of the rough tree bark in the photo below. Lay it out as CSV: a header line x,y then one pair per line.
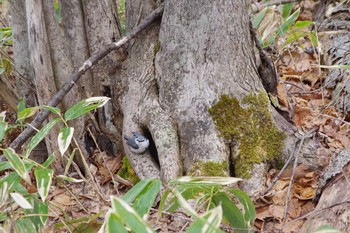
x,y
197,63
175,72
54,55
170,81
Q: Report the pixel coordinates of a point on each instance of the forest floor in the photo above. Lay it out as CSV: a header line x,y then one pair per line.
x,y
301,94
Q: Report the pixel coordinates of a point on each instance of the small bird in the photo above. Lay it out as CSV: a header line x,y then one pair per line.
x,y
138,143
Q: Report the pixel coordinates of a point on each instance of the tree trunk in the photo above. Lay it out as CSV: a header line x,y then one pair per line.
x,y
40,58
170,81
54,54
24,71
197,63
189,83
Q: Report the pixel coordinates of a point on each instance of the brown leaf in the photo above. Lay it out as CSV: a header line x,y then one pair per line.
x,y
263,212
294,208
277,211
282,95
304,193
64,199
302,115
343,138
294,227
280,197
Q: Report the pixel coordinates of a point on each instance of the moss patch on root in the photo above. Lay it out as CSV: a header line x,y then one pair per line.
x,y
251,127
209,168
127,172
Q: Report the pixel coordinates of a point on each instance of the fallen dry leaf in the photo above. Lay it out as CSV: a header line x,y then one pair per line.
x,y
282,95
306,193
263,212
343,138
277,211
294,208
64,199
279,197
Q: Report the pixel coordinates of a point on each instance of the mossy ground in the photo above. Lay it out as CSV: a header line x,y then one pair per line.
x,y
127,172
252,127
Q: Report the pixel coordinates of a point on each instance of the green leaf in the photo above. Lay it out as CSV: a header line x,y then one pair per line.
x,y
43,178
208,223
249,209
70,179
2,115
21,201
17,164
302,24
128,216
326,229
145,200
5,165
7,64
288,22
88,227
49,160
24,225
4,193
287,9
20,106
231,212
188,180
85,106
114,225
187,192
259,17
143,195
14,183
64,139
163,202
28,112
40,136
3,128
52,109
190,187
313,39
69,162
40,212
295,36
3,216
135,191
335,66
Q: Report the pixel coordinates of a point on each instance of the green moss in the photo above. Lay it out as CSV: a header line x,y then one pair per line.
x,y
209,168
156,47
251,127
127,172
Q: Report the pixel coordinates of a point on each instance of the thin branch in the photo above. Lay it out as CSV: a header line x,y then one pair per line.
x,y
74,77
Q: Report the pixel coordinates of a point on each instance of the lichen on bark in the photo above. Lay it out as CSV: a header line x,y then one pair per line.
x,y
249,125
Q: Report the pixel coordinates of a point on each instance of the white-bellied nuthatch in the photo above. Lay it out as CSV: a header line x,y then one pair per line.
x,y
138,143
